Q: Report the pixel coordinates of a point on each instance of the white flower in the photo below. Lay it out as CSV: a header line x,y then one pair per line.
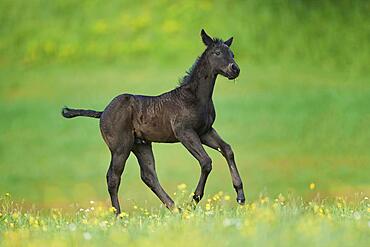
x,y
357,215
87,235
72,227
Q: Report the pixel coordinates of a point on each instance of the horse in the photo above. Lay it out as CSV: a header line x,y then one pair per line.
x,y
131,123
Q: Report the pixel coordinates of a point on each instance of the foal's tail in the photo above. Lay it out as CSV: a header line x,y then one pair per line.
x,y
71,113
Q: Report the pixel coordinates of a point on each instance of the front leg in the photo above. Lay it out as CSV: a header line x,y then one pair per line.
x,y
213,140
190,139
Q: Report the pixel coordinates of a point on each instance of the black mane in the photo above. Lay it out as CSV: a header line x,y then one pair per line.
x,y
188,74
186,79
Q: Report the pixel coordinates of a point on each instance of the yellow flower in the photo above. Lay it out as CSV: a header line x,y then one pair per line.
x,y
123,214
227,198
15,215
112,209
368,210
312,186
216,197
181,186
208,206
7,194
264,199
175,210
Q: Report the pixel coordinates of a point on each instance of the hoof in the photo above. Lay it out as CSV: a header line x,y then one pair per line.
x,y
196,198
240,201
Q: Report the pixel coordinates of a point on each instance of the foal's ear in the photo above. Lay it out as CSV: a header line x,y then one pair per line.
x,y
229,42
207,40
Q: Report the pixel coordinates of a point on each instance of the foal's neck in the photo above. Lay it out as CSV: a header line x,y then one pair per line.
x,y
202,81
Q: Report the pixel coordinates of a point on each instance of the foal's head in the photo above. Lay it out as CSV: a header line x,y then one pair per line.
x,y
220,57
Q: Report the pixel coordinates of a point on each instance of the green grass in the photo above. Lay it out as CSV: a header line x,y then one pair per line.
x,y
298,114
289,126
265,222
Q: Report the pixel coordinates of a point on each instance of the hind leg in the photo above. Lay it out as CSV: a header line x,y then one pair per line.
x,y
114,173
144,155
116,129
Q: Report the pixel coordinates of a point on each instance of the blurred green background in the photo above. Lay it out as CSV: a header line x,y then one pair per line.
x,y
298,114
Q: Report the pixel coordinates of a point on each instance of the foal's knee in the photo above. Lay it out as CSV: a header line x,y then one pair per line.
x,y
206,164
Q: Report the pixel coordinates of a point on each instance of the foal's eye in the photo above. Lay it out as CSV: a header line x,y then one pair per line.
x,y
218,53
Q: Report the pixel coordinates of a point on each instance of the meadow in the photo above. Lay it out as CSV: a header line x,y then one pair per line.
x,y
297,118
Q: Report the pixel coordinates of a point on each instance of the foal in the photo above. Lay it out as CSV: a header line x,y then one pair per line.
x,y
130,123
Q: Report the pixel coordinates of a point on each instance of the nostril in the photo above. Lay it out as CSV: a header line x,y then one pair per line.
x,y
234,67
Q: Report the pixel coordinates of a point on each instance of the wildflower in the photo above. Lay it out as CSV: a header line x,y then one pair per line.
x,y
216,197
312,186
175,210
281,199
104,224
135,207
112,209
92,202
208,206
368,210
87,235
72,227
123,214
264,199
357,215
232,222
181,186
15,215
7,194
227,198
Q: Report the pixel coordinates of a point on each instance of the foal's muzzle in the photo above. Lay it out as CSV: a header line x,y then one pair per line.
x,y
233,71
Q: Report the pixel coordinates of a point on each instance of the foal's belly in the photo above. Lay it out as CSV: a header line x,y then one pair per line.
x,y
154,131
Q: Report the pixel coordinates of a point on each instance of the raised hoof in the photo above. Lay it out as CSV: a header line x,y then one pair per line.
x,y
240,201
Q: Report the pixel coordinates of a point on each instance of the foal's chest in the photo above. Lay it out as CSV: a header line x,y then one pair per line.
x,y
205,119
